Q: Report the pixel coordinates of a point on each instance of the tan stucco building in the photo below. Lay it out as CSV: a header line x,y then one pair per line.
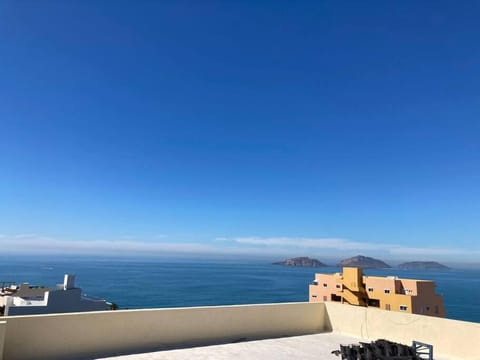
x,y
387,293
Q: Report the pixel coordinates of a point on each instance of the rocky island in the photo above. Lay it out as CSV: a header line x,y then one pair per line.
x,y
301,261
364,262
423,265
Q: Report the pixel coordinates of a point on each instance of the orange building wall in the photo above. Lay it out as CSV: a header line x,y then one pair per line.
x,y
387,293
326,286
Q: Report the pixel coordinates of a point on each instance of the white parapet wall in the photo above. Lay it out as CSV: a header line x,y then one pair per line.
x,y
451,338
83,335
91,334
3,328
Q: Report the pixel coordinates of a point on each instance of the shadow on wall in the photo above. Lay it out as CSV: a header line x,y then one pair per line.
x,y
327,322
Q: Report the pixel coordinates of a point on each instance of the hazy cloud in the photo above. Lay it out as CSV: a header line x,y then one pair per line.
x,y
222,238
318,243
247,246
340,246
43,244
46,245
24,236
161,236
433,251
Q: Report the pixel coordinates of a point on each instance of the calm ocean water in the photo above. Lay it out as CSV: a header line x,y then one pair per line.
x,y
149,283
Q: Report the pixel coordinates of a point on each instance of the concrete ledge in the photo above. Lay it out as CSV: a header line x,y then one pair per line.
x,y
86,335
107,333
452,338
3,328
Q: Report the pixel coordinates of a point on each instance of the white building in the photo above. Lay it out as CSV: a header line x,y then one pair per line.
x,y
66,298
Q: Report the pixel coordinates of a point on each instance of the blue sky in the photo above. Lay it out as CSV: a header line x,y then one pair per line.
x,y
241,128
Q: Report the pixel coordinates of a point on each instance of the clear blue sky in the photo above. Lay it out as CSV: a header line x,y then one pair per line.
x,y
271,128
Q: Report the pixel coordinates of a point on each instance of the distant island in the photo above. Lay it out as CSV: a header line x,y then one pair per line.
x,y
301,261
423,265
364,262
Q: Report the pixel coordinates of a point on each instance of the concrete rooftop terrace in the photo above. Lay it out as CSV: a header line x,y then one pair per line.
x,y
263,331
305,347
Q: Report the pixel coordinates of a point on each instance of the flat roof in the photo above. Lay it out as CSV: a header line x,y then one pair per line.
x,y
392,277
388,277
305,347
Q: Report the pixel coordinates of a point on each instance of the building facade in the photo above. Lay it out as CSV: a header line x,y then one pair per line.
x,y
33,300
387,293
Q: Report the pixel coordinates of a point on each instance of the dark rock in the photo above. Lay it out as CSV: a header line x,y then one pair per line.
x,y
301,261
423,265
364,262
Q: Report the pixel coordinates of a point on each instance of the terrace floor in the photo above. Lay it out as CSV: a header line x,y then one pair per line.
x,y
305,347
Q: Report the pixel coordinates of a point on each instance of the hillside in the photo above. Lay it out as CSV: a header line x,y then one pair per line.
x,y
364,262
423,265
300,261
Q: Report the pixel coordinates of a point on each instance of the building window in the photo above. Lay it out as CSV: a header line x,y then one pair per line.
x,y
370,289
336,298
314,296
338,286
324,285
325,298
387,306
403,308
427,307
387,291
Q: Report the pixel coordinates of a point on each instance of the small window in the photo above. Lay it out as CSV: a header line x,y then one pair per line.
x,y
324,285
314,296
403,308
387,291
370,289
336,298
338,286
387,306
325,298
427,307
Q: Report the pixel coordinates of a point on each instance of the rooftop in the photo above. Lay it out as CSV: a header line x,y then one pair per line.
x,y
258,331
306,347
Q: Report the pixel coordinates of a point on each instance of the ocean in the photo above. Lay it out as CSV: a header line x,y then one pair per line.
x,y
134,283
